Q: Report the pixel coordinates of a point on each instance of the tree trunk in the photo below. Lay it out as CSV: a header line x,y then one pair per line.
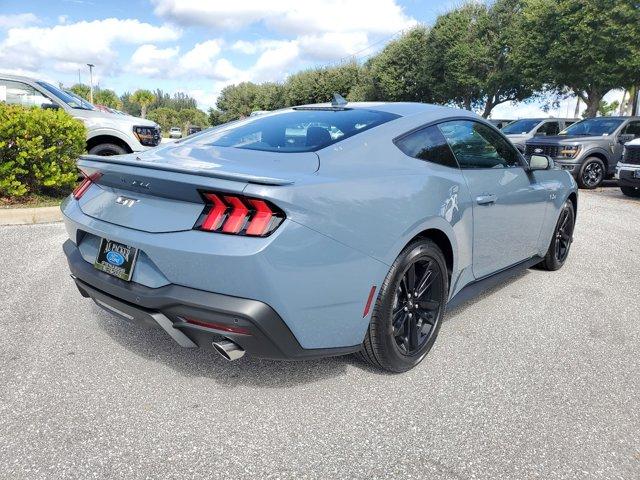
x,y
592,100
143,111
467,103
634,101
576,112
488,107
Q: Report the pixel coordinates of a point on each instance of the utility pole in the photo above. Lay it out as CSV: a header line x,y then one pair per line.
x,y
90,65
79,81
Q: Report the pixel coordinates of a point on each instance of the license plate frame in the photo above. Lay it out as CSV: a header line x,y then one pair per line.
x,y
116,259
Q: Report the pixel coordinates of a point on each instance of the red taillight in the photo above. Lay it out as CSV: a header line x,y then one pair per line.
x,y
239,215
84,185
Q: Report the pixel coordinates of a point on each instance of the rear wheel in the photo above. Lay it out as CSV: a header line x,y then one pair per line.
x,y
592,173
409,309
631,191
107,150
562,239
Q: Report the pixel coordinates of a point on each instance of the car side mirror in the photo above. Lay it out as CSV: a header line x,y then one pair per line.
x,y
540,162
625,137
51,106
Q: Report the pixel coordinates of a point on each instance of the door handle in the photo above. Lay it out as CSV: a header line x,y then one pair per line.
x,y
486,199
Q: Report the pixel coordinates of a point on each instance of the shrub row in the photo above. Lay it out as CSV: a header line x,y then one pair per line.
x,y
38,150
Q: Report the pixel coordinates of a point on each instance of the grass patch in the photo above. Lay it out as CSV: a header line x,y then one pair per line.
x,y
35,200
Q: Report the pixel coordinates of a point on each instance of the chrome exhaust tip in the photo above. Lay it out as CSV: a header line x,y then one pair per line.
x,y
229,350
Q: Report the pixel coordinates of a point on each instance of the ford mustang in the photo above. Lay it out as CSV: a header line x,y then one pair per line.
x,y
317,230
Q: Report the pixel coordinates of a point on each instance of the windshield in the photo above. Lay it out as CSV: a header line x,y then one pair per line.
x,y
64,96
593,127
86,105
520,127
300,130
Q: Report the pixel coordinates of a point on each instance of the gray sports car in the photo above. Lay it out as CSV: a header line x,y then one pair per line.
x,y
316,230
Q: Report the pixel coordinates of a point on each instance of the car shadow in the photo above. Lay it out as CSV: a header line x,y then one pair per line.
x,y
153,344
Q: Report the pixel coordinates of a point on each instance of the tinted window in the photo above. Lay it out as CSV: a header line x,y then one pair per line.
x,y
549,128
64,96
476,145
428,144
520,127
300,130
593,126
632,128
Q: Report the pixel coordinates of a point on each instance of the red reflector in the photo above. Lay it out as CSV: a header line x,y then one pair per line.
x,y
216,214
367,307
238,214
218,326
261,219
84,185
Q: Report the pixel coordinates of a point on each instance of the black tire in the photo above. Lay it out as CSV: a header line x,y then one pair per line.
x,y
592,173
107,150
631,191
391,346
562,239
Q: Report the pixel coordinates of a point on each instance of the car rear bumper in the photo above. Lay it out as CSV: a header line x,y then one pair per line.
x,y
265,333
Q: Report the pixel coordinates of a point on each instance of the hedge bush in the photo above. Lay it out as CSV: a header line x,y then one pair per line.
x,y
38,150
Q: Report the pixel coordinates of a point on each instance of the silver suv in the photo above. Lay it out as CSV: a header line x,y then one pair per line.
x,y
628,169
522,130
107,133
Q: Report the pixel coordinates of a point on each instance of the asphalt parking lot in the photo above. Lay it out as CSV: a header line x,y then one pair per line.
x,y
540,378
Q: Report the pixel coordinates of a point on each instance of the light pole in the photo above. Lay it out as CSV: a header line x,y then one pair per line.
x,y
90,65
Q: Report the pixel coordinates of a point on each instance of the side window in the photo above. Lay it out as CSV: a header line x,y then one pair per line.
x,y
632,128
549,128
476,145
428,144
18,93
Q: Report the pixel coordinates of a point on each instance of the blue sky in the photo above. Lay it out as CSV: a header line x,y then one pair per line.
x,y
200,46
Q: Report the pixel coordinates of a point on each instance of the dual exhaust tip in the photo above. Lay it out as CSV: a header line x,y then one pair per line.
x,y
229,350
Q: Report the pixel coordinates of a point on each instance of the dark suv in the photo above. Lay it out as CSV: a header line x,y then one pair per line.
x,y
590,149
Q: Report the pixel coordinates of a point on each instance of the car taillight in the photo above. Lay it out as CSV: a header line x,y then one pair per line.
x,y
84,185
239,215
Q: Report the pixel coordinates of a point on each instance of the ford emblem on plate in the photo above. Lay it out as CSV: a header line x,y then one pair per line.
x,y
114,258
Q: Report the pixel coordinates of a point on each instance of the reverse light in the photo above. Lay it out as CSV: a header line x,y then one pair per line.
x,y
84,185
239,215
569,151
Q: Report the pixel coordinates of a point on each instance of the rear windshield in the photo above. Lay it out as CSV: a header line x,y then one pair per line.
x,y
301,130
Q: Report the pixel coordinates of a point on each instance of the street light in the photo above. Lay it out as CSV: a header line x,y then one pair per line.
x,y
90,65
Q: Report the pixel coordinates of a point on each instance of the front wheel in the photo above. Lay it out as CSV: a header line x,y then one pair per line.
x,y
409,309
592,173
107,150
631,191
562,239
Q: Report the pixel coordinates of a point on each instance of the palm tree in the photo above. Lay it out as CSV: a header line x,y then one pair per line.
x,y
144,98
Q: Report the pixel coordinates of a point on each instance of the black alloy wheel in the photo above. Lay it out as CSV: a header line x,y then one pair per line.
x,y
409,309
592,173
416,305
562,239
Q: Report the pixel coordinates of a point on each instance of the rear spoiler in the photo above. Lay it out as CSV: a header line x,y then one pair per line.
x,y
204,172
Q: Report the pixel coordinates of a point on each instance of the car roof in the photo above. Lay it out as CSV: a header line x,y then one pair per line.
x,y
403,109
17,78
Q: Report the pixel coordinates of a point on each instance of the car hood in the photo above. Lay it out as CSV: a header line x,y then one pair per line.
x,y
632,143
106,119
567,139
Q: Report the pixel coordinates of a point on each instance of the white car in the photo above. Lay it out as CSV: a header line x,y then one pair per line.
x,y
175,132
107,134
628,169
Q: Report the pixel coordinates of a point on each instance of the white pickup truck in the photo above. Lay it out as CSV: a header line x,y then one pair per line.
x,y
107,133
628,169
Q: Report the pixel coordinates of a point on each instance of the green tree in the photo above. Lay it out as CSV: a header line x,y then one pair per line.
x,y
107,98
470,57
144,98
128,105
587,47
81,90
607,109
398,73
165,117
238,101
318,85
192,117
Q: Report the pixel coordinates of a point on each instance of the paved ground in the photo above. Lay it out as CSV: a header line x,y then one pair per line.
x,y
538,379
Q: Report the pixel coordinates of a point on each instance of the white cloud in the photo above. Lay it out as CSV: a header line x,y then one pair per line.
x,y
18,20
82,42
290,16
151,61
